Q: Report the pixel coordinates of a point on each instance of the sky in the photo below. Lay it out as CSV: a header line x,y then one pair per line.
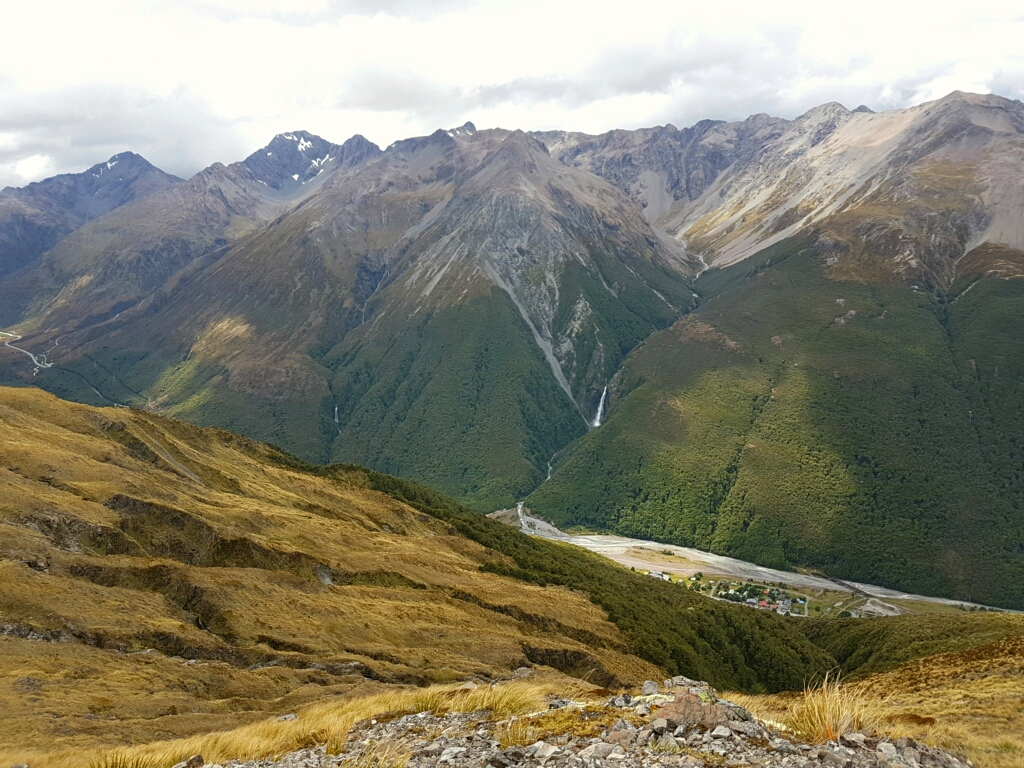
x,y
189,83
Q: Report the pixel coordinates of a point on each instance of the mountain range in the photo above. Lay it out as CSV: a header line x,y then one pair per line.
x,y
791,341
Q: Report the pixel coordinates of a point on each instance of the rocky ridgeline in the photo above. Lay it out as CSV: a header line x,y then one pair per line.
x,y
690,728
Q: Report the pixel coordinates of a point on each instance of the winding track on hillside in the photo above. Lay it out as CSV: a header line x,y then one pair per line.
x,y
38,362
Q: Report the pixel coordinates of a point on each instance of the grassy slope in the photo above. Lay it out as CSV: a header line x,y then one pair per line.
x,y
763,428
966,701
110,545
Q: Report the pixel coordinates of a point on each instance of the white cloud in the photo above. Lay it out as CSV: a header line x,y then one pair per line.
x,y
190,82
32,167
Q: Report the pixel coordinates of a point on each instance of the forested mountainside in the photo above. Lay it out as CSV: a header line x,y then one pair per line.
x,y
630,315
798,418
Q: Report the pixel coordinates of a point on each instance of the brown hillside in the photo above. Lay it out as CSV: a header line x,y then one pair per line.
x,y
182,581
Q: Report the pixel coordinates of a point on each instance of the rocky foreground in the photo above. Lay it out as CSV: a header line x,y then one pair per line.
x,y
690,728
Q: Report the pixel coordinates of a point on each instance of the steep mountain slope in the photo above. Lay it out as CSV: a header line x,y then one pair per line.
x,y
126,531
36,217
799,418
112,262
462,289
453,309
663,168
904,194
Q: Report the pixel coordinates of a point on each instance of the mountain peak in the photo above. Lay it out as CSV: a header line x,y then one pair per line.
x,y
466,129
357,149
823,112
122,161
291,159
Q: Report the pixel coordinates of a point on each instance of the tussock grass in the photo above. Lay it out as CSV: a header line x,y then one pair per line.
x,y
515,732
968,702
830,709
120,760
824,711
325,723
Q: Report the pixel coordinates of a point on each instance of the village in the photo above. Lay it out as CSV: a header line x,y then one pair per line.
x,y
780,598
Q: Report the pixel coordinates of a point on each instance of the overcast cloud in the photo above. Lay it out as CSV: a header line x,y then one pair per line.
x,y
189,83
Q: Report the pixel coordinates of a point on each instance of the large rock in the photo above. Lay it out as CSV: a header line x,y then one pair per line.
x,y
702,709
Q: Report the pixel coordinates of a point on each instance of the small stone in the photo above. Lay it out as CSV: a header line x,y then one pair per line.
x,y
622,725
644,735
542,750
196,761
905,741
885,751
650,688
836,759
523,672
452,753
617,754
667,684
746,727
721,732
659,726
623,738
853,740
559,703
784,747
283,718
667,741
600,751
499,760
515,753
468,686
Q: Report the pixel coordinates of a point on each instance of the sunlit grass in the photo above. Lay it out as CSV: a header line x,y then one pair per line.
x,y
320,724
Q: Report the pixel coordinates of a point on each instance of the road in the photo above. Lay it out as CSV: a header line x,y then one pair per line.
x,y
38,361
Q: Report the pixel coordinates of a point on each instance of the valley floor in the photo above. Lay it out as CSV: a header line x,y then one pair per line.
x,y
685,562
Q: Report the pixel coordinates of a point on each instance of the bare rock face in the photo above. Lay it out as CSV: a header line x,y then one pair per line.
x,y
918,188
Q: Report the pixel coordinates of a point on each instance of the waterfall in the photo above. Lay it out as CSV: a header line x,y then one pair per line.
x,y
335,414
600,410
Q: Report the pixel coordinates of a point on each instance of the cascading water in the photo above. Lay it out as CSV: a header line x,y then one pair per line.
x,y
335,414
600,410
